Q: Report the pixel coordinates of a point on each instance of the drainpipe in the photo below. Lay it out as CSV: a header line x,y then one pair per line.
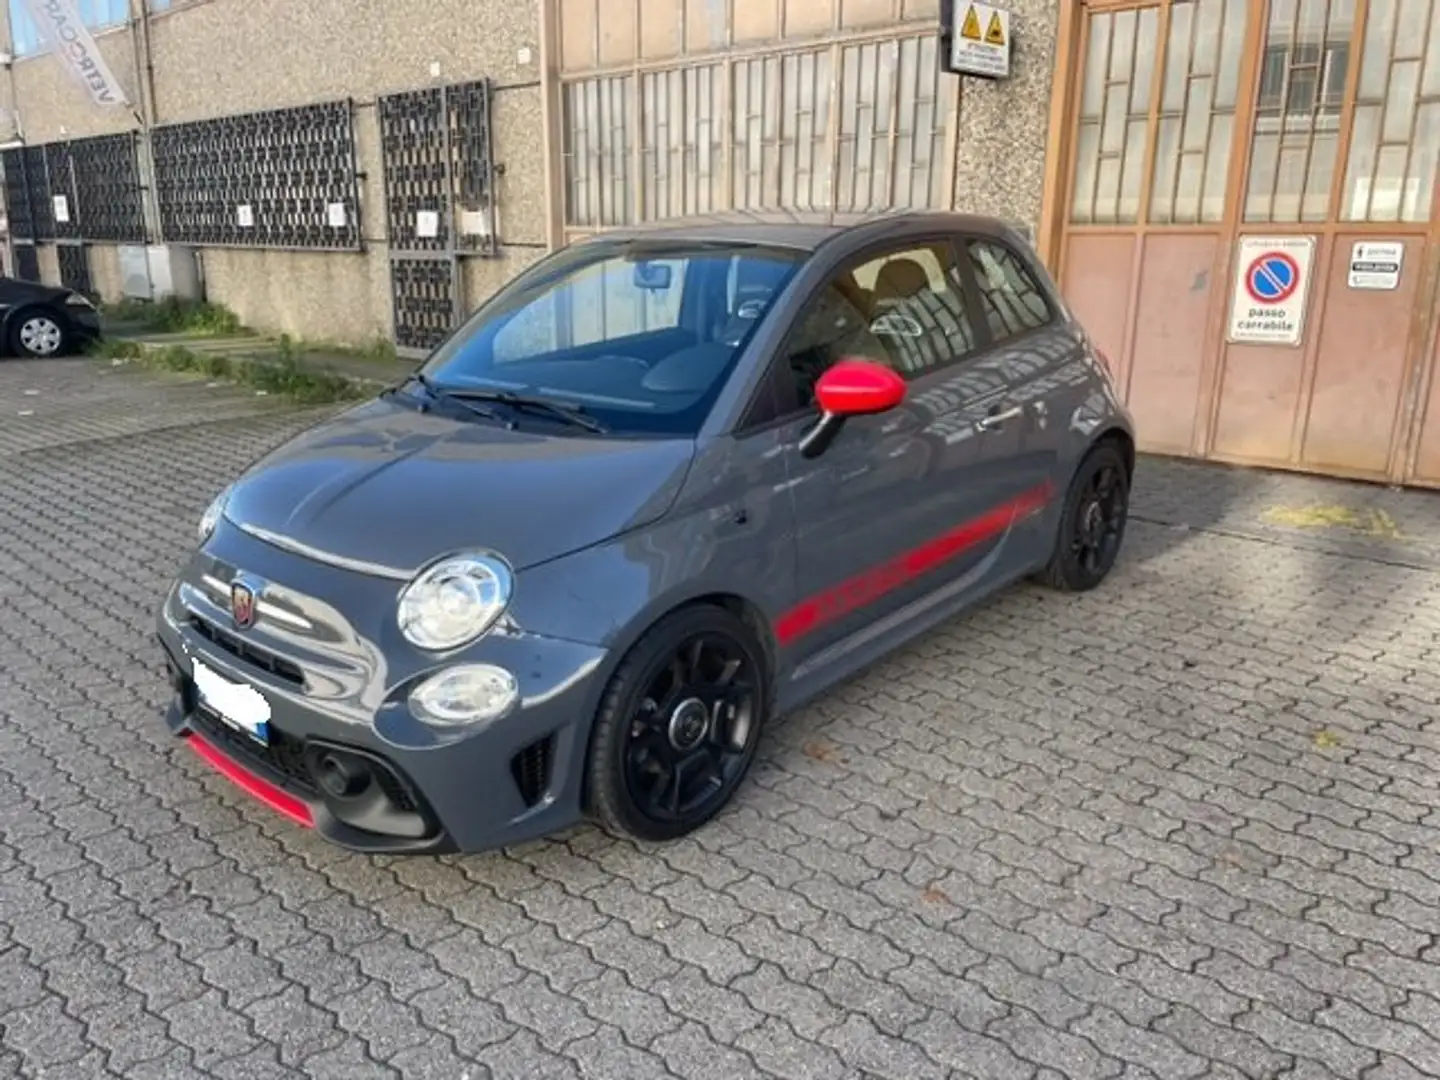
x,y
145,75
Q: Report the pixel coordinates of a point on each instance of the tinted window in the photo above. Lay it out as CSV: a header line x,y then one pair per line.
x,y
643,337
903,309
1011,298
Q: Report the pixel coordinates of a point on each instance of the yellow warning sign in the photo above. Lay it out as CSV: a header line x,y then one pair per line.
x,y
995,32
970,28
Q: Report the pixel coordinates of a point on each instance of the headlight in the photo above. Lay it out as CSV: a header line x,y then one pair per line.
x,y
76,300
468,694
454,601
211,517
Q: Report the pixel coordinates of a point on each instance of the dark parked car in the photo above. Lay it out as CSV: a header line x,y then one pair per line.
x,y
44,320
666,484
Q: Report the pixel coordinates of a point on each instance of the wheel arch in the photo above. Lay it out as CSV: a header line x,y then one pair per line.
x,y
1119,437
740,606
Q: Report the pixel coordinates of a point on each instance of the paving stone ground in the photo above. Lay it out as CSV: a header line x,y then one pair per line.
x,y
1184,826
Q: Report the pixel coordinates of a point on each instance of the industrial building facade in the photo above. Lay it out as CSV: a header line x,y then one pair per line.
x,y
1237,196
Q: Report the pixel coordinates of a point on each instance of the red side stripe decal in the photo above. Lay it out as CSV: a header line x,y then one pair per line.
x,y
280,801
868,586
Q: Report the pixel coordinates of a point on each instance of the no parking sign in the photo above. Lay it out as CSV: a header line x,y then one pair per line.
x,y
1272,283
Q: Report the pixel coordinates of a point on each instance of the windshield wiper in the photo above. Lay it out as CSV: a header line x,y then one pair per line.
x,y
568,414
441,393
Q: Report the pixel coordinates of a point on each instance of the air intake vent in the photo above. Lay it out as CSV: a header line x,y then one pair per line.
x,y
531,769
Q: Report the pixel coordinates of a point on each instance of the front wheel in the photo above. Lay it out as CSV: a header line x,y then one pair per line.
x,y
39,334
679,725
1092,525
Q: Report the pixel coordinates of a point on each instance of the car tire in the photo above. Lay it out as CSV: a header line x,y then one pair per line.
x,y
651,718
39,334
1092,524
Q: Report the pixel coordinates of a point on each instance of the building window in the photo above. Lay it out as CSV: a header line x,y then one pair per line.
x,y
96,14
1304,80
1296,134
661,144
1395,137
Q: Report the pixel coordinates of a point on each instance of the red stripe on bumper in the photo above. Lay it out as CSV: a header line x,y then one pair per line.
x,y
281,802
870,585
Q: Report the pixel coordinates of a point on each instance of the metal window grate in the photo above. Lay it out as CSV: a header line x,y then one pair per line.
x,y
99,179
437,149
285,178
107,200
74,260
27,262
424,291
17,194
27,193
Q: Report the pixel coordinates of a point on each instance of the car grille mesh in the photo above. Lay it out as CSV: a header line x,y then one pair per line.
x,y
531,769
245,651
283,756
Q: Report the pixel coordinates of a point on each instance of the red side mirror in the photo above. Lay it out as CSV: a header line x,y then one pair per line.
x,y
859,388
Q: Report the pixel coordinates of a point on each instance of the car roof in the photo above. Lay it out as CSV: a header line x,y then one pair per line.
x,y
801,230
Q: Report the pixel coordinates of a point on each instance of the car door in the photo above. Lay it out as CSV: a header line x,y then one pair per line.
x,y
1031,357
899,504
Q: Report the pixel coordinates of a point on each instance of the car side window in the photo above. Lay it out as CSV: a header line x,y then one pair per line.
x,y
1011,298
904,308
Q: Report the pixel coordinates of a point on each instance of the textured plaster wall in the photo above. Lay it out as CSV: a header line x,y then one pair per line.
x,y
218,57
49,264
1000,166
51,105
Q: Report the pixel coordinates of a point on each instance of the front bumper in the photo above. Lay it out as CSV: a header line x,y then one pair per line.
x,y
409,789
84,322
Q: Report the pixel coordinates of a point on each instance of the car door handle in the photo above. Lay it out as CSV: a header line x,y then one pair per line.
x,y
995,419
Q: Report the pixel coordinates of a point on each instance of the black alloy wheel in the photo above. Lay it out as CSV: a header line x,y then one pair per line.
x,y
679,725
1092,527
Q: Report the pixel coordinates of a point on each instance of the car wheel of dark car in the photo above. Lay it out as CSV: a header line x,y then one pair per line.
x,y
1092,526
38,333
678,725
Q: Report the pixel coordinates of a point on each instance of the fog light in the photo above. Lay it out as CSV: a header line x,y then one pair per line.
x,y
467,694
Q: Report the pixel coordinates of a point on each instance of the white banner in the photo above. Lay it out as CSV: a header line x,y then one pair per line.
x,y
66,36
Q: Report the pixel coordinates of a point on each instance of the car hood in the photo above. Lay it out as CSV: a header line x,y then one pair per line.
x,y
387,489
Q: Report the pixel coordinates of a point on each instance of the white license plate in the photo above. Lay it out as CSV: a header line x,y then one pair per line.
x,y
242,707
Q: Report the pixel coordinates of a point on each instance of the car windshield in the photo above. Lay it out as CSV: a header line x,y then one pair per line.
x,y
640,334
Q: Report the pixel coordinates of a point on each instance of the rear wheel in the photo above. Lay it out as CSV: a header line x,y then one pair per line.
x,y
1092,526
679,725
39,333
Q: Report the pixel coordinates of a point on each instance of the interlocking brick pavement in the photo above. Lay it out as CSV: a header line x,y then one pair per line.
x,y
1185,826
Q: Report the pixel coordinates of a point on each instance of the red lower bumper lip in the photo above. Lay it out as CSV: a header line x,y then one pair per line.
x,y
281,802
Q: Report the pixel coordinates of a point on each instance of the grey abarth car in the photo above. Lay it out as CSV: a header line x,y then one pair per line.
x,y
666,484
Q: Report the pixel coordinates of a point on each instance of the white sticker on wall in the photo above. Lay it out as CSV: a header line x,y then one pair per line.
x,y
335,215
245,216
62,209
475,223
427,224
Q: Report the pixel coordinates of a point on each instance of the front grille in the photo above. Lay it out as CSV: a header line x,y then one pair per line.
x,y
283,756
394,789
531,769
241,649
